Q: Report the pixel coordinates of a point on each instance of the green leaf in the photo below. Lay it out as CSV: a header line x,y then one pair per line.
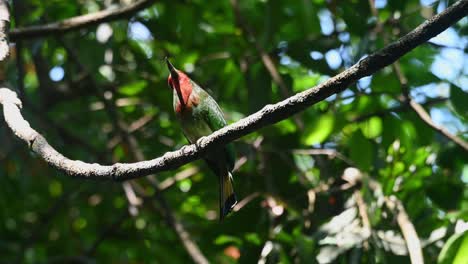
x,y
225,239
445,193
303,162
299,50
253,238
55,188
372,127
286,126
320,129
385,82
407,134
361,151
459,100
133,88
355,15
259,87
304,81
397,4
455,250
306,248
462,254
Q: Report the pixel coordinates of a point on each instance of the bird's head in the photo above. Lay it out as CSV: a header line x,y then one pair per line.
x,y
180,82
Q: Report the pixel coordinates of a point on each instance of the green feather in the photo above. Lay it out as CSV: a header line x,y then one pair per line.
x,y
204,119
213,116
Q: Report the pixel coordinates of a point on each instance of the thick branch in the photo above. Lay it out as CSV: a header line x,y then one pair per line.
x,y
270,114
4,26
79,22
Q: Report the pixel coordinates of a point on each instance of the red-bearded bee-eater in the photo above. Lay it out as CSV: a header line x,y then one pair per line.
x,y
199,115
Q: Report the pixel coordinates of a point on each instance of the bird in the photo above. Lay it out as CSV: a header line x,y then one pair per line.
x,y
199,115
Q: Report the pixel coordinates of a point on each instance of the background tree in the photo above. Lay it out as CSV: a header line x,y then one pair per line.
x,y
362,176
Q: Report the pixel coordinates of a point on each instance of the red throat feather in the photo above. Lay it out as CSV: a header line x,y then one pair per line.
x,y
183,87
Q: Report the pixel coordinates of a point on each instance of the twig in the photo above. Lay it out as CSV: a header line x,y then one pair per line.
x,y
19,52
79,22
132,198
332,153
421,112
266,58
402,79
418,108
111,228
396,109
167,183
362,208
412,241
192,248
407,228
44,219
134,126
270,114
141,122
437,45
121,102
246,200
66,135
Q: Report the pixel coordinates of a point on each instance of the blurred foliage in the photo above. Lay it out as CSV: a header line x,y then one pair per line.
x,y
296,209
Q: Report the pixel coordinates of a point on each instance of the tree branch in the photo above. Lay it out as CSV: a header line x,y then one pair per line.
x,y
4,26
270,114
107,231
398,108
407,228
421,112
412,241
122,129
267,60
418,108
19,52
79,22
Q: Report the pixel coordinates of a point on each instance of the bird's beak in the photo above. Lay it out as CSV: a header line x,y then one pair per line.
x,y
172,69
175,78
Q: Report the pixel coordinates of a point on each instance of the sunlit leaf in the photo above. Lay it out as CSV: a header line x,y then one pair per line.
x,y
372,128
133,88
224,239
455,250
320,129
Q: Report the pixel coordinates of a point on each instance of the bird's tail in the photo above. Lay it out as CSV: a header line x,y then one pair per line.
x,y
227,197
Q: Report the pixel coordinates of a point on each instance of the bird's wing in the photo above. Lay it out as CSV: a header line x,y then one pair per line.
x,y
214,117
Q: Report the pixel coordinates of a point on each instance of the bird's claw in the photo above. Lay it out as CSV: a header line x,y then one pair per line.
x,y
199,142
